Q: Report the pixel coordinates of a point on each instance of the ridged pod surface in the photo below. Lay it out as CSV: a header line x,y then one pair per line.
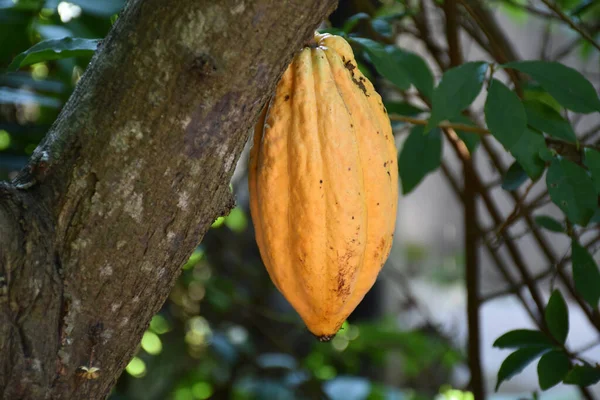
x,y
323,184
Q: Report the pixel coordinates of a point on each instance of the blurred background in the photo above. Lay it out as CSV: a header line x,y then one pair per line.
x,y
226,333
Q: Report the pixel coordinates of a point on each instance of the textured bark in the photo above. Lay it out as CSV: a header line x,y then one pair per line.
x,y
128,180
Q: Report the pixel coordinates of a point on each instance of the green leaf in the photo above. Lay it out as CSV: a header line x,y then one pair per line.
x,y
514,177
456,91
420,155
402,108
506,119
353,20
527,151
544,118
533,91
382,27
592,161
470,139
415,68
546,221
572,190
552,368
583,375
517,361
557,317
565,84
585,274
54,49
521,338
384,63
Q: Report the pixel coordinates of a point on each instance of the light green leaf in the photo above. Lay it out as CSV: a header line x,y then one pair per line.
x,y
54,49
565,84
572,190
420,155
456,91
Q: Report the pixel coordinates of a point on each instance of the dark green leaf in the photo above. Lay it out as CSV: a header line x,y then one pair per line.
x,y
585,274
353,20
504,114
521,338
517,361
565,84
557,317
544,118
415,68
471,139
514,177
592,161
546,154
527,152
533,91
506,119
582,375
420,155
546,221
402,108
552,368
384,63
572,190
456,91
583,7
53,50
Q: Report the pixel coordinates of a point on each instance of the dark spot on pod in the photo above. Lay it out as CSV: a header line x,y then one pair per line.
x,y
352,217
385,163
321,181
287,97
377,203
349,168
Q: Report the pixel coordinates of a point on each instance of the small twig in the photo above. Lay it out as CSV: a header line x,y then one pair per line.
x,y
516,211
590,133
443,125
556,9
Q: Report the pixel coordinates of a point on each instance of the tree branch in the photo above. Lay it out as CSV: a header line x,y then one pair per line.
x,y
564,17
128,180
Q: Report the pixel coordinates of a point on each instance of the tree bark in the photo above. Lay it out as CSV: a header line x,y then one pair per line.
x,y
129,178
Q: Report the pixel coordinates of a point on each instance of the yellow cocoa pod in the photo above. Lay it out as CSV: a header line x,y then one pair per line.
x,y
323,184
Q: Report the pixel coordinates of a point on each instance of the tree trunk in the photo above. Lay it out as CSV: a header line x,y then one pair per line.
x,y
134,171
